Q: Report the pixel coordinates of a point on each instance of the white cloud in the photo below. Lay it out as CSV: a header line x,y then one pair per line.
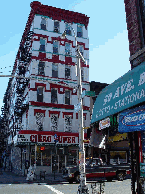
x,y
110,61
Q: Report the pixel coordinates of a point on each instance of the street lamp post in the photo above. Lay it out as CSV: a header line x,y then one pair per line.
x,y
82,188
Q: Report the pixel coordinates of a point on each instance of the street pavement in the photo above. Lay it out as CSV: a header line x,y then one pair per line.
x,y
11,183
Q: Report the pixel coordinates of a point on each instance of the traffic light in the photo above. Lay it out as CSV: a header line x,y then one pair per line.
x,y
42,148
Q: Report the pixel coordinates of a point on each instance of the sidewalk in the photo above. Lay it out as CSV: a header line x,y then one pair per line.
x,y
12,178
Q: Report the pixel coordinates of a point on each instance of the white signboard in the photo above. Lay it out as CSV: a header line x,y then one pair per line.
x,y
104,123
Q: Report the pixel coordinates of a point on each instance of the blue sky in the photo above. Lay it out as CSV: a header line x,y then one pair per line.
x,y
108,36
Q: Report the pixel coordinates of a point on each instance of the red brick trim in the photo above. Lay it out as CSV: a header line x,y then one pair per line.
x,y
84,114
54,112
55,59
58,39
39,111
64,106
59,14
53,86
67,113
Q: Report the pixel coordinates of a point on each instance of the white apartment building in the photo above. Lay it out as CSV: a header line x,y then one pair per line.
x,y
41,110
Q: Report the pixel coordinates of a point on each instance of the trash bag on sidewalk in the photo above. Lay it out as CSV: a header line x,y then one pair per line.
x,y
31,172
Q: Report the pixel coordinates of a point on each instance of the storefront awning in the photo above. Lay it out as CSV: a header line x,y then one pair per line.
x,y
125,92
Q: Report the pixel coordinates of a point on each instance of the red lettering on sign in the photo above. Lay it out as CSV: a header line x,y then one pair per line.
x,y
39,138
73,140
44,139
69,140
64,139
49,139
60,139
33,138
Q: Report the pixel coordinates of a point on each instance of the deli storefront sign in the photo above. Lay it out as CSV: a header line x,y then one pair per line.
x,y
47,138
132,120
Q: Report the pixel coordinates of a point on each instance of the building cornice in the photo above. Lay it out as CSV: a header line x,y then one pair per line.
x,y
59,14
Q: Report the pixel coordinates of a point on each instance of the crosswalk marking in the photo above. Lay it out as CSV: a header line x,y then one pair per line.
x,y
53,189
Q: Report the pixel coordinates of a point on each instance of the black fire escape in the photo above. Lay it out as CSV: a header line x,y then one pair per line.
x,y
25,57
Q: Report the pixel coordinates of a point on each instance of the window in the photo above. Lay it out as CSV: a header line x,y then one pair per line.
x,y
42,44
54,122
67,97
67,48
68,123
40,94
81,49
67,71
56,26
41,66
68,29
79,31
39,121
54,70
54,96
82,74
55,47
43,24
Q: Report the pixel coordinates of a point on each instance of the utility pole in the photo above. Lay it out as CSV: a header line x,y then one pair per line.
x,y
82,188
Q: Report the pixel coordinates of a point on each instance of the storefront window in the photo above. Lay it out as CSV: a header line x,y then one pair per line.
x,y
72,157
43,157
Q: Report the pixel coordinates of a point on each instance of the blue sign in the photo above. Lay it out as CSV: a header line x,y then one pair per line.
x,y
125,92
55,138
132,120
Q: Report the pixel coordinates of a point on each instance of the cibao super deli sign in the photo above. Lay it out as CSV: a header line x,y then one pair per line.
x,y
125,92
47,139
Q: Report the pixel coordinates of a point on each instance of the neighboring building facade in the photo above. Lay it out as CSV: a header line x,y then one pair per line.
x,y
41,110
112,148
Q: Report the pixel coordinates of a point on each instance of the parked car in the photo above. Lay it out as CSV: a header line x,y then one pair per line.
x,y
97,170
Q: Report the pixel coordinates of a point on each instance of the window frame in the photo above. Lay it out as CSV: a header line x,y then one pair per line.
x,y
68,29
70,126
42,122
51,124
67,67
40,94
54,101
42,45
55,47
39,68
57,28
79,34
65,100
42,18
54,64
66,51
